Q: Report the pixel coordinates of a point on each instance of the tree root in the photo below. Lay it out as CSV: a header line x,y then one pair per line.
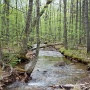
x,y
17,74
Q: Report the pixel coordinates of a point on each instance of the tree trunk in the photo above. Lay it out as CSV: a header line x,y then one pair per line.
x,y
32,64
65,24
83,23
60,17
87,25
3,24
16,22
0,54
80,25
27,30
76,26
71,24
46,25
29,26
37,27
7,19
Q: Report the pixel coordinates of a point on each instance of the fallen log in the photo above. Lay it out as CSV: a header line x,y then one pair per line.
x,y
27,56
47,45
64,87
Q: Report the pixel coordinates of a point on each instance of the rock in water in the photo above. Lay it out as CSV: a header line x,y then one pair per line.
x,y
88,67
60,64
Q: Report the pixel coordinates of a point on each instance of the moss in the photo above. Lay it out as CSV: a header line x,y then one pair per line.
x,y
62,50
79,55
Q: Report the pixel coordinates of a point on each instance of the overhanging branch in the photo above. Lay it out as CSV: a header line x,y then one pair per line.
x,y
41,13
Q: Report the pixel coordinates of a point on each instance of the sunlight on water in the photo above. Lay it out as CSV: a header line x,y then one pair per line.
x,y
50,53
37,83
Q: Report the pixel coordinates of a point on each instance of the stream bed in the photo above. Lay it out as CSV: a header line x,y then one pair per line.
x,y
47,74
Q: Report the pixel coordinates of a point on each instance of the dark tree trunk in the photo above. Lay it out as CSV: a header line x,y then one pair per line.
x,y
80,25
16,22
37,27
76,27
33,62
83,21
87,25
27,29
7,19
3,21
0,54
71,24
65,24
50,23
59,28
46,25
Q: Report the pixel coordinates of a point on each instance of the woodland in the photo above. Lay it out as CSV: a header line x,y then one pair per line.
x,y
50,22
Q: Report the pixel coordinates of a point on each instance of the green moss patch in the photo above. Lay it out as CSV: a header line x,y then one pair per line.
x,y
80,55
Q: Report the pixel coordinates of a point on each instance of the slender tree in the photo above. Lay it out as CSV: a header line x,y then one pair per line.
x,y
65,24
7,19
60,16
0,53
71,24
87,25
46,25
50,23
3,24
83,23
76,26
27,29
80,23
37,27
33,62
16,22
0,41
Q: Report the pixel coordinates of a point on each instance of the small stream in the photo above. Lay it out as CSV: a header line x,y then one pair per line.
x,y
46,73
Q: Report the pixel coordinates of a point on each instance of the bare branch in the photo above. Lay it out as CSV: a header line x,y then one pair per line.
x,y
16,9
42,12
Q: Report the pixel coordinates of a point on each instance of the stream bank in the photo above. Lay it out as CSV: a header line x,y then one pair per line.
x,y
79,55
46,75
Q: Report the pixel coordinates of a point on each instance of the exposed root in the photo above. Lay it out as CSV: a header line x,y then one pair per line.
x,y
16,74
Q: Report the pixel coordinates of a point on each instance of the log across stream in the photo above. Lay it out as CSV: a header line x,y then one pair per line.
x,y
49,72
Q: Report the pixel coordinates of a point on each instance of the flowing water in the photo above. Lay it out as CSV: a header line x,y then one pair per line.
x,y
47,74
